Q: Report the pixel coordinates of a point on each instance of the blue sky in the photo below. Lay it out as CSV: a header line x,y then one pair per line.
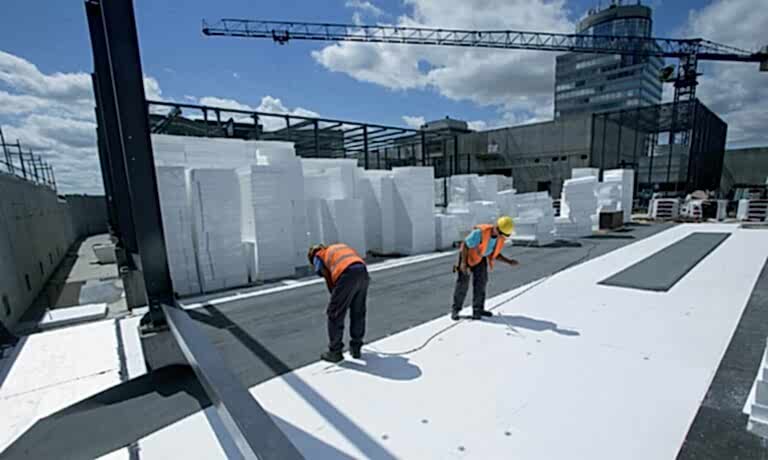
x,y
53,36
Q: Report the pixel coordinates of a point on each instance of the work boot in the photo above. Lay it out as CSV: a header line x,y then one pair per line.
x,y
332,356
356,352
455,315
480,314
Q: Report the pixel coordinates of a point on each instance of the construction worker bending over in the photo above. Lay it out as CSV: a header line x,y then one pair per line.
x,y
478,251
347,280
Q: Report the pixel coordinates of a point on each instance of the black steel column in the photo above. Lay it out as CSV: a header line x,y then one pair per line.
x,y
8,159
602,148
107,122
122,47
654,141
365,146
423,148
21,159
618,140
690,182
455,165
317,139
106,174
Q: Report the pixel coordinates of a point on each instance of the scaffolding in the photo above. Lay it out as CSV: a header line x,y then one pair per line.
x,y
24,164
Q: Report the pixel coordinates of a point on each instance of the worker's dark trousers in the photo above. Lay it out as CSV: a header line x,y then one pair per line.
x,y
479,281
349,293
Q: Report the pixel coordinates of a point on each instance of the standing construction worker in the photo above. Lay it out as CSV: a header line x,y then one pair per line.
x,y
477,254
347,280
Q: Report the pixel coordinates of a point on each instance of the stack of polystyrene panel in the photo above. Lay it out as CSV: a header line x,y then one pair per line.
x,y
177,227
339,181
626,177
268,219
584,172
204,152
609,196
283,155
464,221
664,208
505,183
577,208
216,211
487,188
169,150
446,230
459,188
483,212
414,203
506,201
347,217
752,210
375,189
535,217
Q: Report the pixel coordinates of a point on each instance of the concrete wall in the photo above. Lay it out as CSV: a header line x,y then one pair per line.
x,y
534,154
89,214
36,230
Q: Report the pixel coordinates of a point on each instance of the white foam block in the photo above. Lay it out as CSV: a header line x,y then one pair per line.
x,y
217,214
414,203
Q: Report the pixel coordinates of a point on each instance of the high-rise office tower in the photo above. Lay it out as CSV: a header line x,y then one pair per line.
x,y
586,82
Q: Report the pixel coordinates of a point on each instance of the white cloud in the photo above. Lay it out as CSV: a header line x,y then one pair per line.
x,y
53,115
734,91
518,83
414,122
477,125
364,6
236,75
268,104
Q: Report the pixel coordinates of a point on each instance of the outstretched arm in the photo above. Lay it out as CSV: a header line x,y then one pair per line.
x,y
509,261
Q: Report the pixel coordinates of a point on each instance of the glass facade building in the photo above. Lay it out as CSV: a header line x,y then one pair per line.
x,y
589,83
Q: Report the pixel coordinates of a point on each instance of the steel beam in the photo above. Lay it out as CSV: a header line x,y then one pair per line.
x,y
107,120
253,431
122,47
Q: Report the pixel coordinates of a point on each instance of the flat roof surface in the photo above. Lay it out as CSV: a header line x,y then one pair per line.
x,y
563,371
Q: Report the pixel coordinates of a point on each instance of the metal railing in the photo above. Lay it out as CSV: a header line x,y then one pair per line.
x,y
24,164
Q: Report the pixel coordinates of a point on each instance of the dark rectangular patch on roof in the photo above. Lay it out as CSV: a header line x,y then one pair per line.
x,y
663,269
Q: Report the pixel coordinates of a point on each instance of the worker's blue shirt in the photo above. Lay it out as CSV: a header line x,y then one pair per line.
x,y
319,266
475,237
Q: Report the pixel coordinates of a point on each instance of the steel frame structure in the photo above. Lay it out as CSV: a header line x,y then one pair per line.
x,y
25,164
125,151
705,148
314,137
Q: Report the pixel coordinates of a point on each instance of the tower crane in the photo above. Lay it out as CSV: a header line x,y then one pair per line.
x,y
688,51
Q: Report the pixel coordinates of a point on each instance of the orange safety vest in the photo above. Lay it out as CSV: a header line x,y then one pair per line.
x,y
336,258
475,255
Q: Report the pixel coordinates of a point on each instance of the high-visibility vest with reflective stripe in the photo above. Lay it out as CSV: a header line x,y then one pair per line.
x,y
475,255
336,258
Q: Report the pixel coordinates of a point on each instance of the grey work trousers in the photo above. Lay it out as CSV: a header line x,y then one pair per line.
x,y
479,275
349,293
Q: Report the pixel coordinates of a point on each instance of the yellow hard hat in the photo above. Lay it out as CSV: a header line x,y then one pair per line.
x,y
505,224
